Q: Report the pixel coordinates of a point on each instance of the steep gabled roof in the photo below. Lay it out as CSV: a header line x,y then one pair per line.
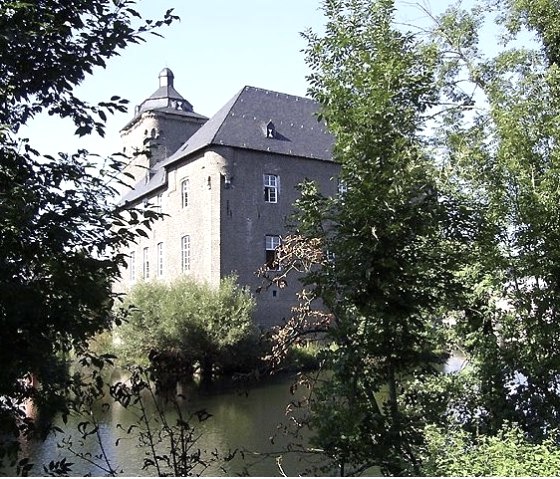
x,y
253,119
242,122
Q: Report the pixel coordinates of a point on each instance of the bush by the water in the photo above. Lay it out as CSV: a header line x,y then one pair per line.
x,y
175,326
510,453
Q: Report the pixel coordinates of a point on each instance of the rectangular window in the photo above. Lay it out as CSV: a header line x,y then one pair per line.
x,y
185,253
132,266
271,243
271,188
159,201
341,187
146,263
160,259
184,193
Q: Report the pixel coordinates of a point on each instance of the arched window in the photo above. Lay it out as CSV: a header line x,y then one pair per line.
x,y
160,259
185,253
146,263
185,193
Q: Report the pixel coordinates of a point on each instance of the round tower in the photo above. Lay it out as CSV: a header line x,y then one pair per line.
x,y
161,124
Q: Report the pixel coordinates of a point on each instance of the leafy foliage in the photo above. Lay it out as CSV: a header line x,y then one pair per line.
x,y
48,47
59,252
391,236
185,322
507,454
504,158
449,215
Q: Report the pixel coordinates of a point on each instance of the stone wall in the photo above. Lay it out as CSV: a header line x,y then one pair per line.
x,y
162,133
227,219
246,218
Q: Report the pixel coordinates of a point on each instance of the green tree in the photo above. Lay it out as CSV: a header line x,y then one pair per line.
x,y
57,241
392,238
186,322
503,153
449,157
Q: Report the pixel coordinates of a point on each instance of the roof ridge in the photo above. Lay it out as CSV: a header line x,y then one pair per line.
x,y
266,90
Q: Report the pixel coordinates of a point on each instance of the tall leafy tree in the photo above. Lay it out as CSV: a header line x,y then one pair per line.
x,y
390,237
450,210
59,234
504,154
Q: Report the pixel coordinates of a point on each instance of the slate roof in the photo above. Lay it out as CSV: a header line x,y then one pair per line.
x,y
242,123
142,188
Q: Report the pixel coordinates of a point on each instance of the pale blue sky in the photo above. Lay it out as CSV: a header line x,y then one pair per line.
x,y
218,47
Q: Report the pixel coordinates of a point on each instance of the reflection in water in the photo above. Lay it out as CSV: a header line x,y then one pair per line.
x,y
241,419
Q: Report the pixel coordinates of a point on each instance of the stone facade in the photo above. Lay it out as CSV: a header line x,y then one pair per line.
x,y
228,190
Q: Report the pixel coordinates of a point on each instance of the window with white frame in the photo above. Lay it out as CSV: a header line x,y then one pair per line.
x,y
271,243
270,188
185,253
341,186
146,263
160,259
159,201
132,266
184,193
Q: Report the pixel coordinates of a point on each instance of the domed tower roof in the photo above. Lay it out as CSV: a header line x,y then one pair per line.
x,y
166,77
167,98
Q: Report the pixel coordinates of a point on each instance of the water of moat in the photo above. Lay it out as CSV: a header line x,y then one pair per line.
x,y
243,417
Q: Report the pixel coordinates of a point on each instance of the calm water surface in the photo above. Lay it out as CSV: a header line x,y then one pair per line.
x,y
250,419
242,418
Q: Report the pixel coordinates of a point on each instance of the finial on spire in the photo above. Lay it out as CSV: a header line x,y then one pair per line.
x,y
166,77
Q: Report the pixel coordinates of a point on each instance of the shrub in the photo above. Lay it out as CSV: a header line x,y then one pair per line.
x,y
182,323
509,453
304,357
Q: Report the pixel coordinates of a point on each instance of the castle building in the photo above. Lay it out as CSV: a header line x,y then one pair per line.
x,y
226,184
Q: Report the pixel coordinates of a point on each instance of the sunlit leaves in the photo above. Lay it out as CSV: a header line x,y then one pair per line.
x,y
58,250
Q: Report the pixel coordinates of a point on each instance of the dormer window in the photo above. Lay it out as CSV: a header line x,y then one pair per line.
x,y
270,130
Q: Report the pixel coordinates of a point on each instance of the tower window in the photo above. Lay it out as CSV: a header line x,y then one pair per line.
x,y
341,186
271,243
184,193
271,188
132,266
